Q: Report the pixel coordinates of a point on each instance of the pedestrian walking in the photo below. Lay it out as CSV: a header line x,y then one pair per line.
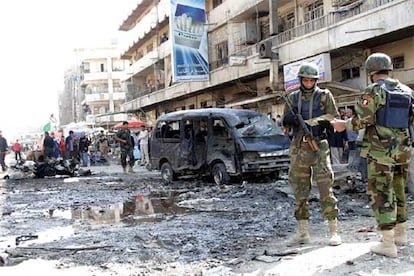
x,y
123,136
70,145
103,145
62,148
4,149
48,146
17,148
353,159
385,111
84,149
306,161
143,146
55,153
338,141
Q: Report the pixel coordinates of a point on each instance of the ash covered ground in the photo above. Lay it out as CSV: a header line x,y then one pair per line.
x,y
131,224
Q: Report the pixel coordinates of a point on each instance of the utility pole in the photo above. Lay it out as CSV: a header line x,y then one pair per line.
x,y
157,39
273,29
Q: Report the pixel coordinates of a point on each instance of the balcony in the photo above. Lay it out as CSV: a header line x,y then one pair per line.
x,y
339,29
104,97
148,60
331,32
405,76
111,118
239,10
157,16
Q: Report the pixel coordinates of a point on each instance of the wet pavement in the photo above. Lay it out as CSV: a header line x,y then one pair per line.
x,y
115,219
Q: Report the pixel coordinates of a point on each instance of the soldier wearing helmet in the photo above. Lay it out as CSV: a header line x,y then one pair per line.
x,y
310,101
386,111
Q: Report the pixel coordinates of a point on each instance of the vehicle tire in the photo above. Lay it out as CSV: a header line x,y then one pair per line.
x,y
219,174
167,173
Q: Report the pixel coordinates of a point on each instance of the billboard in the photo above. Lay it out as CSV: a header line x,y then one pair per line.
x,y
290,71
189,41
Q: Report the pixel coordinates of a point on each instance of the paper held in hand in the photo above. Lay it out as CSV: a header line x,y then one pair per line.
x,y
317,120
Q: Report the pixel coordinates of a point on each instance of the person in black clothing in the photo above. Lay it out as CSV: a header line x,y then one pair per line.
x,y
4,149
48,145
337,142
126,142
84,149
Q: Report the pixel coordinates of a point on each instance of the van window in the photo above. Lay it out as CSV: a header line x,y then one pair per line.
x,y
168,129
188,129
219,128
257,126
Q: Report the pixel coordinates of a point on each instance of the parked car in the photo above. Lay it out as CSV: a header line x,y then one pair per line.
x,y
224,144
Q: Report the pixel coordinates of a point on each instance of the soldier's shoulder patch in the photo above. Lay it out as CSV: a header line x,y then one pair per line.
x,y
365,100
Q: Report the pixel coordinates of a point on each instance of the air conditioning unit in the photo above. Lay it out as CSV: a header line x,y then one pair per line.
x,y
265,49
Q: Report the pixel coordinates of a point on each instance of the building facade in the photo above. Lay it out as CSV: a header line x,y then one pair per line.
x,y
254,48
67,98
101,94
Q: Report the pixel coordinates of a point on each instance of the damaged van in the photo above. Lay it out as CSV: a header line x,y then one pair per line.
x,y
224,144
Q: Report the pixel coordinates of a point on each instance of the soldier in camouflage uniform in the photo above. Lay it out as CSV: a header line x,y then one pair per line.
x,y
123,136
310,101
386,111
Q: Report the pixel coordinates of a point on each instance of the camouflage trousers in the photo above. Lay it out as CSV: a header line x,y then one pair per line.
x,y
386,188
307,166
127,154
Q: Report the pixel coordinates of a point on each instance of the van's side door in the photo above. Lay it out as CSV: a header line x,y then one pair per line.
x,y
221,144
166,142
193,144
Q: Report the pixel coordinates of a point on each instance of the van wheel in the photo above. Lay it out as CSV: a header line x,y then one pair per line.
x,y
219,174
167,173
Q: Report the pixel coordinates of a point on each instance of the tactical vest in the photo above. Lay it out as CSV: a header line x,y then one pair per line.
x,y
317,131
396,111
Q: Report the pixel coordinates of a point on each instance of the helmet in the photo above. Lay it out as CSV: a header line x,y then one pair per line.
x,y
308,70
378,62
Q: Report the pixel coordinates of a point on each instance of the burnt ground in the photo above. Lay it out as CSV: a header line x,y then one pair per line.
x,y
116,224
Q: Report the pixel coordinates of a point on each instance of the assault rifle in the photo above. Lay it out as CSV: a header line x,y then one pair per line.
x,y
308,137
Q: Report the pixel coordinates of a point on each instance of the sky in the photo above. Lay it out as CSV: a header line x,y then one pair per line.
x,y
38,39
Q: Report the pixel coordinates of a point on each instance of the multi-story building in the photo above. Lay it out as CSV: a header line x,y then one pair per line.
x,y
255,47
93,93
67,98
101,96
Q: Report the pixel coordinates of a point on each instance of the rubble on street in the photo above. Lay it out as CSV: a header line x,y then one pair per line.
x,y
114,223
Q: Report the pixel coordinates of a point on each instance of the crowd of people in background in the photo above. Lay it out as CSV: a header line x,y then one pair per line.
x,y
87,148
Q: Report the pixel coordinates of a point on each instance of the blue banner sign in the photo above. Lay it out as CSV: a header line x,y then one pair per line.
x,y
189,40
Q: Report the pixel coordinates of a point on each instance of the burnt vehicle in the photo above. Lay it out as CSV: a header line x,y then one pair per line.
x,y
224,144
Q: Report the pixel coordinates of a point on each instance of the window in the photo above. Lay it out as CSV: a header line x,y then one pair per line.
x,y
222,53
219,128
314,10
220,101
102,67
350,73
287,22
139,54
86,67
168,129
150,47
398,62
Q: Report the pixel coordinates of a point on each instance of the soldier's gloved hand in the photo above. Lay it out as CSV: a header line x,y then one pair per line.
x,y
290,120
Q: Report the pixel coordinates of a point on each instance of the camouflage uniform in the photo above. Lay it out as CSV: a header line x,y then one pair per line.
x,y
387,149
306,164
126,149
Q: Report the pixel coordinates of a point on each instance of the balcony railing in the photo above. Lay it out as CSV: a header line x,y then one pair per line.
x,y
404,75
330,19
